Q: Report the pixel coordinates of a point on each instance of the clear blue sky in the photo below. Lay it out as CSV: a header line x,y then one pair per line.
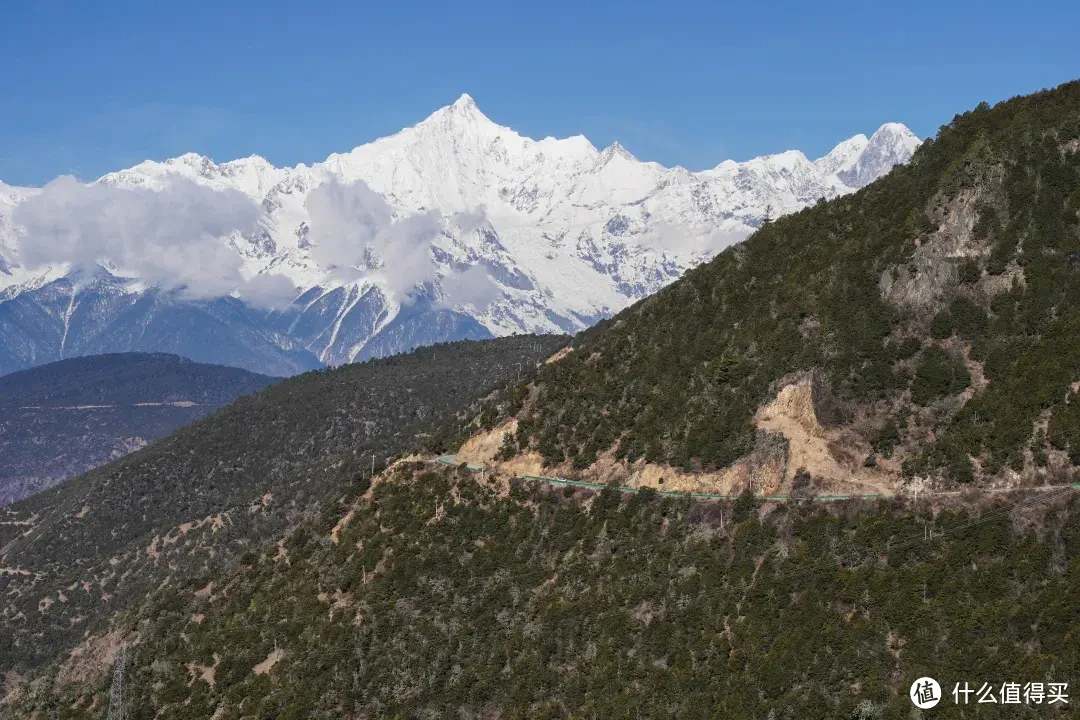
x,y
90,87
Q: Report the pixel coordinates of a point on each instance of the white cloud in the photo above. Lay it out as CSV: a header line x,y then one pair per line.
x,y
268,291
169,238
673,238
472,287
343,220
471,220
354,233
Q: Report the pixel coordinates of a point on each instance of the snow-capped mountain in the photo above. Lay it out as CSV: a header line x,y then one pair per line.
x,y
454,228
878,156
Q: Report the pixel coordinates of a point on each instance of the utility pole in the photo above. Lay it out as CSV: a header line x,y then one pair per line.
x,y
372,466
116,693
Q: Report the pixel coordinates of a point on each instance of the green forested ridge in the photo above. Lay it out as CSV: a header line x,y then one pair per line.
x,y
226,484
977,240
122,379
443,597
48,433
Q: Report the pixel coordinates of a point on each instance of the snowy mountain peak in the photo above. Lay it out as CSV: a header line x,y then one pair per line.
x,y
895,128
455,227
463,112
895,138
891,145
190,158
465,101
786,161
844,156
616,149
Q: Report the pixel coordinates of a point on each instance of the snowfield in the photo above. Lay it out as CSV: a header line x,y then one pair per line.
x,y
454,228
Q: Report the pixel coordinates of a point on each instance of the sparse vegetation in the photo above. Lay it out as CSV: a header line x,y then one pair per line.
x,y
228,484
441,597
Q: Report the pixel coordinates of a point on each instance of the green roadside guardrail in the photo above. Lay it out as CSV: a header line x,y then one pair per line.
x,y
452,461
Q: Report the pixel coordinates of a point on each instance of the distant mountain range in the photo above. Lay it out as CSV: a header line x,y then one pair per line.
x,y
64,418
455,228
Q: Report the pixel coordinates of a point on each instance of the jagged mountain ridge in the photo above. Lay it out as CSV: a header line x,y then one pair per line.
x,y
562,234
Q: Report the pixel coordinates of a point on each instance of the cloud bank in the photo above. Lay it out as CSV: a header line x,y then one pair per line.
x,y
169,238
473,287
667,237
354,233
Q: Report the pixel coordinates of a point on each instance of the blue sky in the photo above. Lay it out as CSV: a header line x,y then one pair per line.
x,y
93,87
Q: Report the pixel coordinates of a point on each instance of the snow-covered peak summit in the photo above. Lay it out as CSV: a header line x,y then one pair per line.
x,y
462,113
14,193
458,159
788,161
254,176
892,144
465,101
896,129
844,156
894,138
506,233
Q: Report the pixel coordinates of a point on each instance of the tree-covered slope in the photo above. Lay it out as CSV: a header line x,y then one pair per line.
x,y
436,595
225,485
936,311
64,418
925,327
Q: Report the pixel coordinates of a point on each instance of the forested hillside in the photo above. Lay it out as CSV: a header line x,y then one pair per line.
x,y
74,555
61,419
925,330
935,314
438,596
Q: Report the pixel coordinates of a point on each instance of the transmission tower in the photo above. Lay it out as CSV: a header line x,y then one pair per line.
x,y
116,694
